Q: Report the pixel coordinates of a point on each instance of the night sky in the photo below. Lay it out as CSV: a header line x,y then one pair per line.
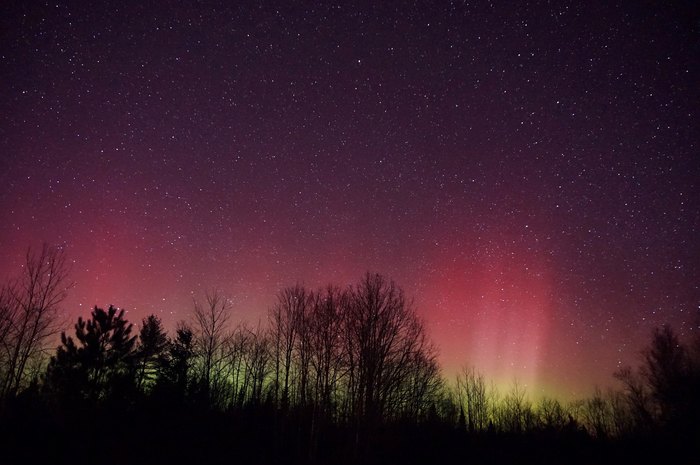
x,y
528,174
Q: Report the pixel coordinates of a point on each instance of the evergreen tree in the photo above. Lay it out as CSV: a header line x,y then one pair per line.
x,y
101,364
151,351
174,378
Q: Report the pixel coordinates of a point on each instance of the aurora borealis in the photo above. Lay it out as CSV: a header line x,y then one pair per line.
x,y
528,174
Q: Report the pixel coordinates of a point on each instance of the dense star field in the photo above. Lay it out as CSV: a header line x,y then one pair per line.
x,y
527,173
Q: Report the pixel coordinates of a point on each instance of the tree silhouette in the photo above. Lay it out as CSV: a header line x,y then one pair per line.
x,y
211,333
327,351
174,378
287,324
338,369
515,410
474,399
101,364
385,345
29,315
666,370
151,351
598,415
552,415
662,392
257,358
637,397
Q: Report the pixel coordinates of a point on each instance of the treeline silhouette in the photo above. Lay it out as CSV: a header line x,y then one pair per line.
x,y
335,375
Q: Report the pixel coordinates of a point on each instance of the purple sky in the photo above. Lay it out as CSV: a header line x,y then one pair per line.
x,y
527,173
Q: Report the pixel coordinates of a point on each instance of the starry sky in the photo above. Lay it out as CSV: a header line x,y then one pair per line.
x,y
528,173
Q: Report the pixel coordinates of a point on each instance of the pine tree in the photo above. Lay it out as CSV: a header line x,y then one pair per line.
x,y
151,351
101,364
173,382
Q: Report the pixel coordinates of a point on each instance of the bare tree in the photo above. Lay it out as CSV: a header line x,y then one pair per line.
x,y
552,415
288,318
623,422
515,412
473,398
385,345
8,311
211,334
257,363
422,385
637,398
235,352
662,392
667,370
327,356
597,415
29,314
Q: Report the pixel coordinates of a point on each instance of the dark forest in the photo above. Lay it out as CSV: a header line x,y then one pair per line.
x,y
335,375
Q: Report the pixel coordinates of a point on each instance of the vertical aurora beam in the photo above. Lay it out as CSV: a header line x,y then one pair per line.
x,y
500,313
